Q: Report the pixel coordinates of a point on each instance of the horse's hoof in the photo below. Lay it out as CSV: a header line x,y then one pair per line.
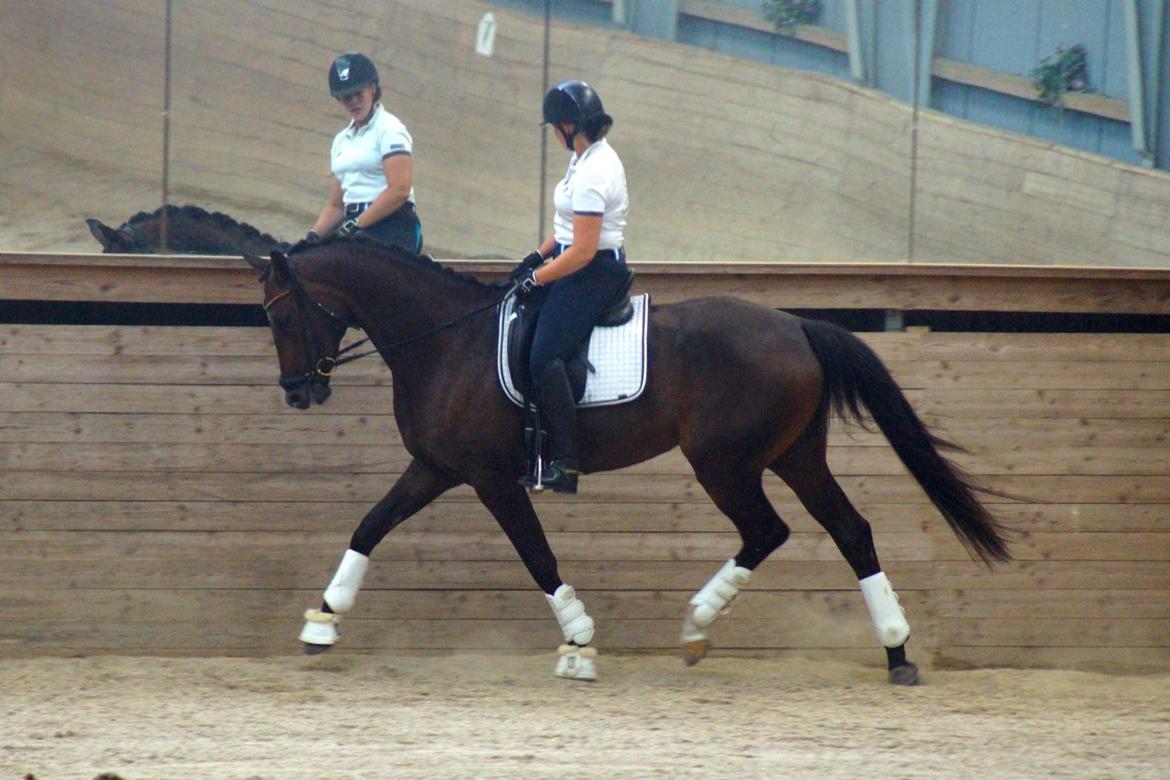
x,y
904,674
311,649
693,652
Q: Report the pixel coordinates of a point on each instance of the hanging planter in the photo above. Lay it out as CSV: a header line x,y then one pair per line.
x,y
1065,70
787,14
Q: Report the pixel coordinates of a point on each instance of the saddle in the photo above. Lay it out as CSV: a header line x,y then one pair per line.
x,y
578,368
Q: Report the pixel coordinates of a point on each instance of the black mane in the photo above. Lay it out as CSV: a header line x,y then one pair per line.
x,y
197,214
394,253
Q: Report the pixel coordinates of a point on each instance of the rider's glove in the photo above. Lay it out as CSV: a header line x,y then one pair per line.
x,y
348,228
527,284
313,237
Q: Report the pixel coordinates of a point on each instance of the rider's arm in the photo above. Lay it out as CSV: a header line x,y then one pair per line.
x,y
399,170
586,235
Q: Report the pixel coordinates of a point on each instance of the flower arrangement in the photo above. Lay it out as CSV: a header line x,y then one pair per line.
x,y
786,14
1065,70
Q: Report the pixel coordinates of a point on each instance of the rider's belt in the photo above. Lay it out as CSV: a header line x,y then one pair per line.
x,y
353,209
618,254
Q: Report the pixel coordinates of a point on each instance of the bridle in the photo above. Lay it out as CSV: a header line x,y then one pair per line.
x,y
322,368
138,243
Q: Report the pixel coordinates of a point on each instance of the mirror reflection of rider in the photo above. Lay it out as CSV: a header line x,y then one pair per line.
x,y
372,188
587,267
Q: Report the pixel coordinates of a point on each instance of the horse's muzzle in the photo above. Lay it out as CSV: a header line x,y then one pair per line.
x,y
301,393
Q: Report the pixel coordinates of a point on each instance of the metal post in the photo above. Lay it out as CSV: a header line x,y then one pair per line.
x,y
166,150
541,230
1137,83
853,35
917,49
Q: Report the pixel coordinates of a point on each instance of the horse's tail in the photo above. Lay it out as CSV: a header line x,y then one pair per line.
x,y
854,375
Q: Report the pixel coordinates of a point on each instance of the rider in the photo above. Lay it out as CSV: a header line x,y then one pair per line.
x,y
587,270
372,190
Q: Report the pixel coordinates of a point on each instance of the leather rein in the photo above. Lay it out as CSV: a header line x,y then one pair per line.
x,y
323,367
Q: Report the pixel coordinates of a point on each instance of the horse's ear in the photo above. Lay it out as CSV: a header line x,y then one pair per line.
x,y
106,236
282,273
259,263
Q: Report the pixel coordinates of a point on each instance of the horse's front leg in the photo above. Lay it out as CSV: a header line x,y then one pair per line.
x,y
509,504
417,487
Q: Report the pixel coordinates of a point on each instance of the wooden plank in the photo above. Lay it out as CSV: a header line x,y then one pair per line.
x,y
130,606
581,515
1043,374
1054,632
1018,86
304,569
1029,347
645,488
379,427
390,457
1102,604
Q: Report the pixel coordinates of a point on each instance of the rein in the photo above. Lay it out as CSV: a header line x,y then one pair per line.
x,y
325,366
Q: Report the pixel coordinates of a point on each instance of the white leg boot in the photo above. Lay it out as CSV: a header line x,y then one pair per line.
x,y
712,600
576,662
321,629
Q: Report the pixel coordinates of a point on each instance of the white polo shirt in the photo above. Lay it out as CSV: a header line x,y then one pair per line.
x,y
594,184
358,152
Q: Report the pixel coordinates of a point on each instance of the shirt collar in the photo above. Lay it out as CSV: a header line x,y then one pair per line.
x,y
353,129
579,157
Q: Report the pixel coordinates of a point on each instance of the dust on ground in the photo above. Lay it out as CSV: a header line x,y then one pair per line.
x,y
488,716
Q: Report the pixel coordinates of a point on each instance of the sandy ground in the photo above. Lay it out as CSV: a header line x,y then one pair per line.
x,y
463,716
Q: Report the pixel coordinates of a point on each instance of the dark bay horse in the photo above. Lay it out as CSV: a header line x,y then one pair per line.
x,y
190,230
740,388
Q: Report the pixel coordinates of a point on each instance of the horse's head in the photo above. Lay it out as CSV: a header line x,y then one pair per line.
x,y
126,240
307,326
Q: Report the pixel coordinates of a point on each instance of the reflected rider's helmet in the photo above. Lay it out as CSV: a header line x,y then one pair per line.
x,y
350,72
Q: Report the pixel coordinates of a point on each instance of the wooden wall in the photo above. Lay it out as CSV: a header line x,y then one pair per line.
x,y
727,158
157,496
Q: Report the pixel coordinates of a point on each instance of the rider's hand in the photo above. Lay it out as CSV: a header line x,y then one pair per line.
x,y
348,228
527,284
313,237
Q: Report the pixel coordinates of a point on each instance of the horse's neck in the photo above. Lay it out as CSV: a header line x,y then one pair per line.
x,y
187,235
398,302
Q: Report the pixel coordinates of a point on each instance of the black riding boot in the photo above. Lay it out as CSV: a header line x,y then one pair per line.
x,y
554,396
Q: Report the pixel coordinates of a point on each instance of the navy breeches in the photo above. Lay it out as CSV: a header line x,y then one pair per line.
x,y
573,306
402,228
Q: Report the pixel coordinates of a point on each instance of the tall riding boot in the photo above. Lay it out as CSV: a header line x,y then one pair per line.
x,y
554,396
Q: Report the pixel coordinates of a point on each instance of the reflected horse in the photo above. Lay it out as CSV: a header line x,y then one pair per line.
x,y
740,388
190,230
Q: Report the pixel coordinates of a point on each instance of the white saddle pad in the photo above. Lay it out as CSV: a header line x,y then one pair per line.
x,y
617,353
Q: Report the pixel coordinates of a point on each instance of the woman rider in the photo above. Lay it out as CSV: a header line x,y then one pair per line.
x,y
586,271
372,190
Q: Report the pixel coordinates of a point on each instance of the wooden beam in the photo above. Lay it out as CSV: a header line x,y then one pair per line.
x,y
851,285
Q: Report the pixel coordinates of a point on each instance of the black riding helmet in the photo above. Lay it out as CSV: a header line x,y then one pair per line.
x,y
350,72
578,103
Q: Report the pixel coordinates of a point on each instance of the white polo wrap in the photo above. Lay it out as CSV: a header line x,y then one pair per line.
x,y
714,597
889,619
347,581
575,624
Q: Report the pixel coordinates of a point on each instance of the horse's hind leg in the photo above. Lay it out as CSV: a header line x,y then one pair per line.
x,y
739,494
804,469
417,487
